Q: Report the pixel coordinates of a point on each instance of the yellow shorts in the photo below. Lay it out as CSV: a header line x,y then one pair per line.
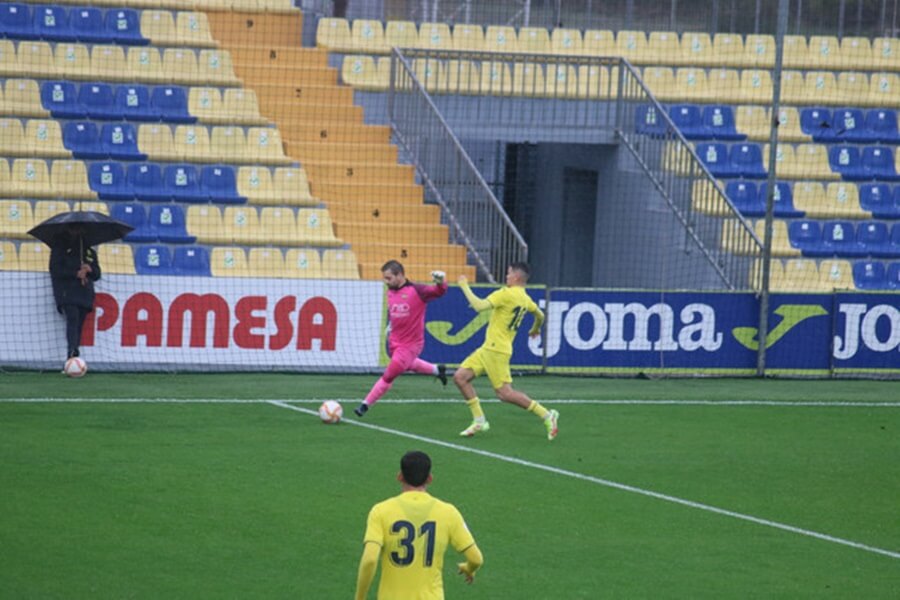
x,y
495,364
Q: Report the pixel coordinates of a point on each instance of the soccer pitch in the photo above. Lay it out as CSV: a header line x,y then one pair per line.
x,y
228,486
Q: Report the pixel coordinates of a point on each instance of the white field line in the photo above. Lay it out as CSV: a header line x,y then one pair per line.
x,y
801,403
608,483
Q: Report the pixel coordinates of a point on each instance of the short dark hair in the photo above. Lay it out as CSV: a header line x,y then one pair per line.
x,y
522,267
394,267
416,467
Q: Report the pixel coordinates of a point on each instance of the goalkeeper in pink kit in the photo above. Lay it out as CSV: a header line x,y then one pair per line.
x,y
406,316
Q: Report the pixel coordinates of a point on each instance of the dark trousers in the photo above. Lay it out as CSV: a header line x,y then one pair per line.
x,y
75,316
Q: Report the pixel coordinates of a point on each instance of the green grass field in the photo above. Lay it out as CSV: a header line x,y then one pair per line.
x,y
139,499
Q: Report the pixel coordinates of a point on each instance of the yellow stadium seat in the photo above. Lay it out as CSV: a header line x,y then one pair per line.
x,y
92,205
885,54
401,34
30,178
528,80
781,242
836,275
264,146
824,52
43,137
723,86
736,239
430,75
6,185
241,224
314,227
691,84
776,273
241,105
792,87
695,50
462,77
435,36
16,218
302,263
116,259
822,86
789,129
9,66
266,262
842,201
706,199
334,35
278,225
227,144
500,38
35,59
806,161
663,47
192,29
496,79
856,53
809,197
69,179
205,103
72,61
22,97
752,121
12,138
884,90
759,51
155,140
756,86
228,262
159,27
180,66
44,209
632,45
727,50
661,81
255,183
599,42
362,72
368,36
799,275
34,256
796,52
561,81
291,185
339,264
215,66
191,143
468,37
205,222
534,39
145,65
9,256
852,88
566,41
108,63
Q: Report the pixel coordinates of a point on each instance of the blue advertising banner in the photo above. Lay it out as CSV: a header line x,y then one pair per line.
x,y
867,332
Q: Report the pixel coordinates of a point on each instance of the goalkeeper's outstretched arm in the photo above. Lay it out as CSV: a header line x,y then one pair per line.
x,y
475,302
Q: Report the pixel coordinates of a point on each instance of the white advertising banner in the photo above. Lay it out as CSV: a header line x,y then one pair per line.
x,y
204,323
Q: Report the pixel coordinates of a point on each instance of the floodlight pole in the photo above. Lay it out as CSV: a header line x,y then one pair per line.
x,y
763,331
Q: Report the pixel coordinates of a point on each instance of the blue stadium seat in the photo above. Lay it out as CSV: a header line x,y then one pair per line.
x,y
648,121
124,26
86,24
719,119
133,103
715,157
893,276
133,213
191,260
220,184
874,237
688,119
98,101
784,200
878,162
746,159
153,259
120,141
878,199
883,125
15,21
869,275
839,239
171,102
893,249
816,122
61,99
168,223
846,161
745,197
51,23
850,125
146,180
806,236
108,180
182,183
82,139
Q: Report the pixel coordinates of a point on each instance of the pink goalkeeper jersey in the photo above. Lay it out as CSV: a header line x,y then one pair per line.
x,y
406,312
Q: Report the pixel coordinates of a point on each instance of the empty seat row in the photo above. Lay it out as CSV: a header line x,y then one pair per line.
x,y
34,137
809,275
111,63
59,24
863,164
694,122
812,199
270,225
37,178
660,47
845,239
18,216
151,182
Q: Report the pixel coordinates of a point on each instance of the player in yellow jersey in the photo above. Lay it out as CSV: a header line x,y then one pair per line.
x,y
508,305
410,533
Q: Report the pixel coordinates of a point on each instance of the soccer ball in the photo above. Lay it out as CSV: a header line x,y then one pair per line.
x,y
331,412
75,367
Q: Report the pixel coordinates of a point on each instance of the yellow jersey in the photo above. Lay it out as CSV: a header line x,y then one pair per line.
x,y
414,530
510,305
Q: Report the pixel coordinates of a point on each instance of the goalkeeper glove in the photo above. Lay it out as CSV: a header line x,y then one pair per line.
x,y
438,277
465,570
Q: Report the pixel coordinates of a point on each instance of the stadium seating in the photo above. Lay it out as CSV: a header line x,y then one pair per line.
x,y
229,262
116,259
34,256
167,222
191,261
153,259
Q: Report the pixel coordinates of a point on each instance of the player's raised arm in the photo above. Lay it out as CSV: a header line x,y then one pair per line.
x,y
475,302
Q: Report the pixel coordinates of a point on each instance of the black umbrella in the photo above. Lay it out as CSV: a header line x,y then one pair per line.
x,y
91,227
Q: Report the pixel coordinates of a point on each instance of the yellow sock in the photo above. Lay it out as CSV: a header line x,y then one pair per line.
x,y
475,406
537,409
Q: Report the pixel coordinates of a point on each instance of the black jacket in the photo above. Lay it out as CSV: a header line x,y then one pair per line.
x,y
64,266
